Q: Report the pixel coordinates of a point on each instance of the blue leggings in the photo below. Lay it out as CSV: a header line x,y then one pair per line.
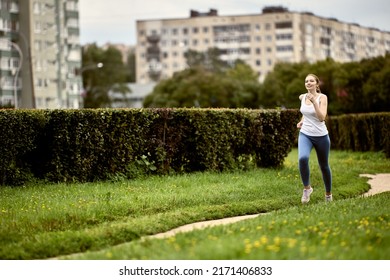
x,y
322,146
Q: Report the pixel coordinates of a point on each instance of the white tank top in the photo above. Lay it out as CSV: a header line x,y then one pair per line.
x,y
312,126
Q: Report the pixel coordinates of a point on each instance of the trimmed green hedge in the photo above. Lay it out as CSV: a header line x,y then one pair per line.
x,y
20,135
96,144
361,132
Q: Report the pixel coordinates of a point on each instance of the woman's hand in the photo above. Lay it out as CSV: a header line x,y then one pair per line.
x,y
310,97
299,125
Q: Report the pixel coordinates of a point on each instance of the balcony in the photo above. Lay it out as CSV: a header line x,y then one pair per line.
x,y
14,9
153,39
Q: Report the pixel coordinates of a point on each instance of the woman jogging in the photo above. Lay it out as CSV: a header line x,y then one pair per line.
x,y
314,133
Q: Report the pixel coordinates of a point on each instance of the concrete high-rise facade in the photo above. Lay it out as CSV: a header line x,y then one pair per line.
x,y
261,40
40,51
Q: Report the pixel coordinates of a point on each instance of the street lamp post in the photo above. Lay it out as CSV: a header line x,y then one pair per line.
x,y
16,75
27,50
89,67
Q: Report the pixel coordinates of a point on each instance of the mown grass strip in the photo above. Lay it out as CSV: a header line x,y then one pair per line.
x,y
44,221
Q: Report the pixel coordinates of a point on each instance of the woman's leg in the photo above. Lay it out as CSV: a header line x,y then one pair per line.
x,y
322,147
304,148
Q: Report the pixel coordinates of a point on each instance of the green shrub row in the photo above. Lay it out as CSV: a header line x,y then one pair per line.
x,y
97,144
20,135
361,132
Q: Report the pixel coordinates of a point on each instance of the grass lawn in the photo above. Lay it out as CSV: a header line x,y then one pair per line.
x,y
41,221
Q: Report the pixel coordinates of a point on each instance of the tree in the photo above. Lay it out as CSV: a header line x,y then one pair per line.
x,y
98,82
377,88
208,82
283,85
209,60
131,65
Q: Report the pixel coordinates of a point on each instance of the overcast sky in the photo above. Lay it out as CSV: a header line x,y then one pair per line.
x,y
113,21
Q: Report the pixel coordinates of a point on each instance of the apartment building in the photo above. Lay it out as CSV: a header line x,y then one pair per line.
x,y
261,40
40,50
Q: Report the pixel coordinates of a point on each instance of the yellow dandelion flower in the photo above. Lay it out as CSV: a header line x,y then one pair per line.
x,y
273,248
264,239
171,239
177,247
212,237
291,242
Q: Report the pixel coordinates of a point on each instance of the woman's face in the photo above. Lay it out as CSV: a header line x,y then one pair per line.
x,y
310,82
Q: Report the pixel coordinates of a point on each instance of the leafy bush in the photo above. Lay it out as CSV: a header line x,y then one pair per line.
x,y
89,145
20,132
361,132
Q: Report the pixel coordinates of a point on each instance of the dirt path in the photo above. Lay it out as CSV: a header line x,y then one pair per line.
x,y
379,183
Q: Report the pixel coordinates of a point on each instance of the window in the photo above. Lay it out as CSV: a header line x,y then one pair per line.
x,y
287,48
285,36
14,25
71,6
325,41
38,45
5,24
326,30
37,8
15,63
284,24
38,27
309,28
